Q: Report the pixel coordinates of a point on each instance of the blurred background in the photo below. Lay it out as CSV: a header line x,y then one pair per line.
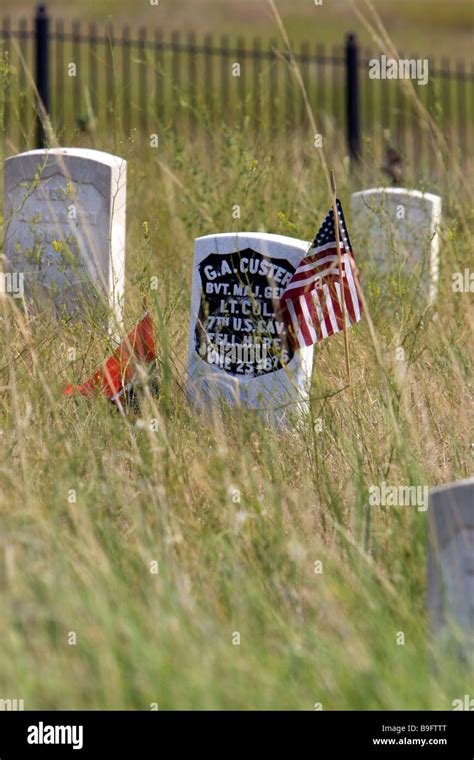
x,y
428,26
139,69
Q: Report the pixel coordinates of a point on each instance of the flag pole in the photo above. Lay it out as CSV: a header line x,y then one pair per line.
x,y
341,284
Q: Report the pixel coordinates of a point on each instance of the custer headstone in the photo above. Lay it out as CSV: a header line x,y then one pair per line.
x,y
238,346
398,228
451,563
65,229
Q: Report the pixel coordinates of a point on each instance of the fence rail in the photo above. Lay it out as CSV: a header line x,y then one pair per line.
x,y
92,79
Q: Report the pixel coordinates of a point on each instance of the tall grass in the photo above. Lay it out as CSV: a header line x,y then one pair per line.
x,y
236,515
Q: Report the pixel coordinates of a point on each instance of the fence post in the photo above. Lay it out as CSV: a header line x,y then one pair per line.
x,y
352,98
42,75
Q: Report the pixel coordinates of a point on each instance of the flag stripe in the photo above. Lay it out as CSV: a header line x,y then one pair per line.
x,y
299,340
354,299
308,320
337,304
303,325
331,317
322,323
311,306
310,267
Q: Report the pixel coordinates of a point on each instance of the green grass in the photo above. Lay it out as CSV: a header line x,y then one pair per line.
x,y
235,514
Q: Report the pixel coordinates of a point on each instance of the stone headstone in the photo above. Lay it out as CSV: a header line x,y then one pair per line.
x,y
65,228
395,227
451,560
238,347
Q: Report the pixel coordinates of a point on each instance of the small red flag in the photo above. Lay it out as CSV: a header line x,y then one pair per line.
x,y
119,369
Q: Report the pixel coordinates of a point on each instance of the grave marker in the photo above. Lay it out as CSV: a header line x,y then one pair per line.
x,y
451,559
395,226
238,347
65,228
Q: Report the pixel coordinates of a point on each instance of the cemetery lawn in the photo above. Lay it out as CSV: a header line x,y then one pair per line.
x,y
189,562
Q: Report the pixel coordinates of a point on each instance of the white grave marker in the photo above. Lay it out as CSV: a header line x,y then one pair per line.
x,y
65,227
451,558
238,347
398,227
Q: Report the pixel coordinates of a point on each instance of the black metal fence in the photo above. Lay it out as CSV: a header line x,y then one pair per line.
x,y
106,81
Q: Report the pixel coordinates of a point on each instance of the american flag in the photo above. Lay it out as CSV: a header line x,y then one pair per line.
x,y
311,305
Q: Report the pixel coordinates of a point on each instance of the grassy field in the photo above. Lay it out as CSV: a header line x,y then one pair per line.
x,y
199,561
234,514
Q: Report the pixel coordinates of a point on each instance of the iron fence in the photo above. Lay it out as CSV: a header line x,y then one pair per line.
x,y
109,79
